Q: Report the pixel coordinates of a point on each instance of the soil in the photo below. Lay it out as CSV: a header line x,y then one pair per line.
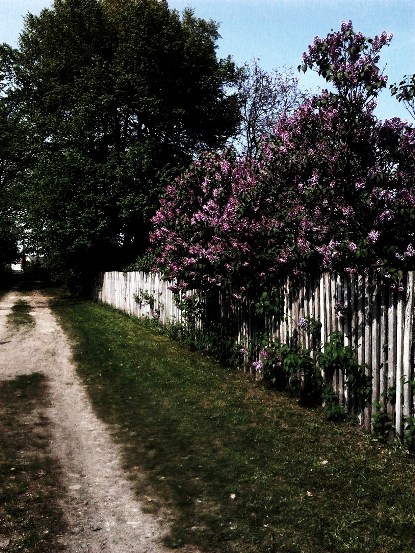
x,y
102,513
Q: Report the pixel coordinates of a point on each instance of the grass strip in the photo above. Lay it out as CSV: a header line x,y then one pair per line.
x,y
239,468
30,518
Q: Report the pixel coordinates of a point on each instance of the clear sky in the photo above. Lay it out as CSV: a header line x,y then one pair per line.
x,y
277,32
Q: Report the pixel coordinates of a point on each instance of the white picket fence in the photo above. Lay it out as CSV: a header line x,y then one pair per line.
x,y
139,294
375,320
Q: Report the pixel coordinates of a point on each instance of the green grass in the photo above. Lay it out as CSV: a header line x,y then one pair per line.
x,y
236,467
30,516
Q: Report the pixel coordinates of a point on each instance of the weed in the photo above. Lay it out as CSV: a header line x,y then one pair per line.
x,y
292,370
409,434
382,423
312,327
333,410
146,298
269,303
143,297
338,357
298,370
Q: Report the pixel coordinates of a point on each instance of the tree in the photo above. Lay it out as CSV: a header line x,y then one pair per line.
x,y
11,150
264,98
118,97
8,234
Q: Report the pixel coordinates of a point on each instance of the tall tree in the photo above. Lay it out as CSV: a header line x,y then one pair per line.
x,y
8,251
11,146
119,96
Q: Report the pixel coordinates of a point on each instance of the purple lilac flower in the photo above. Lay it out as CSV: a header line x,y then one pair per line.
x,y
373,236
410,251
264,354
257,366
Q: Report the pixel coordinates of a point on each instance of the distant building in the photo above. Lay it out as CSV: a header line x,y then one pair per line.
x,y
17,266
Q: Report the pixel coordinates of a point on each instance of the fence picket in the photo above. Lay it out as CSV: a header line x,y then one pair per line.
x,y
399,359
407,350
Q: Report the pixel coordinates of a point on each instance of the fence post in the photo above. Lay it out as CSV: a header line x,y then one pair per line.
x,y
407,347
375,353
399,363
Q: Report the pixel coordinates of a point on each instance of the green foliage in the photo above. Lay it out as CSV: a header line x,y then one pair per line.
x,y
269,303
144,297
332,409
218,342
191,305
116,98
271,364
409,434
359,383
291,369
301,364
295,369
405,92
338,357
8,237
382,423
217,339
312,327
11,146
391,395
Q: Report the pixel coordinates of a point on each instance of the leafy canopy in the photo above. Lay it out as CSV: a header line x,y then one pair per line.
x,y
117,97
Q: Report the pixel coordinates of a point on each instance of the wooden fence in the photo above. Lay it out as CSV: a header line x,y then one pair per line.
x,y
374,319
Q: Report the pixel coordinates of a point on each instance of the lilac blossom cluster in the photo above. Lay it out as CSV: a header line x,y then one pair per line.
x,y
333,188
350,61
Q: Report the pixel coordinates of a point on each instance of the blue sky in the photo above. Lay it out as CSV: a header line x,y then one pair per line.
x,y
277,32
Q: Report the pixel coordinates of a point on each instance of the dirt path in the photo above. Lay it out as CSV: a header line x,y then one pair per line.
x,y
103,515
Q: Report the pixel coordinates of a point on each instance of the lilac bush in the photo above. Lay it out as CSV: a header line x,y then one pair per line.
x,y
203,230
351,184
333,188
